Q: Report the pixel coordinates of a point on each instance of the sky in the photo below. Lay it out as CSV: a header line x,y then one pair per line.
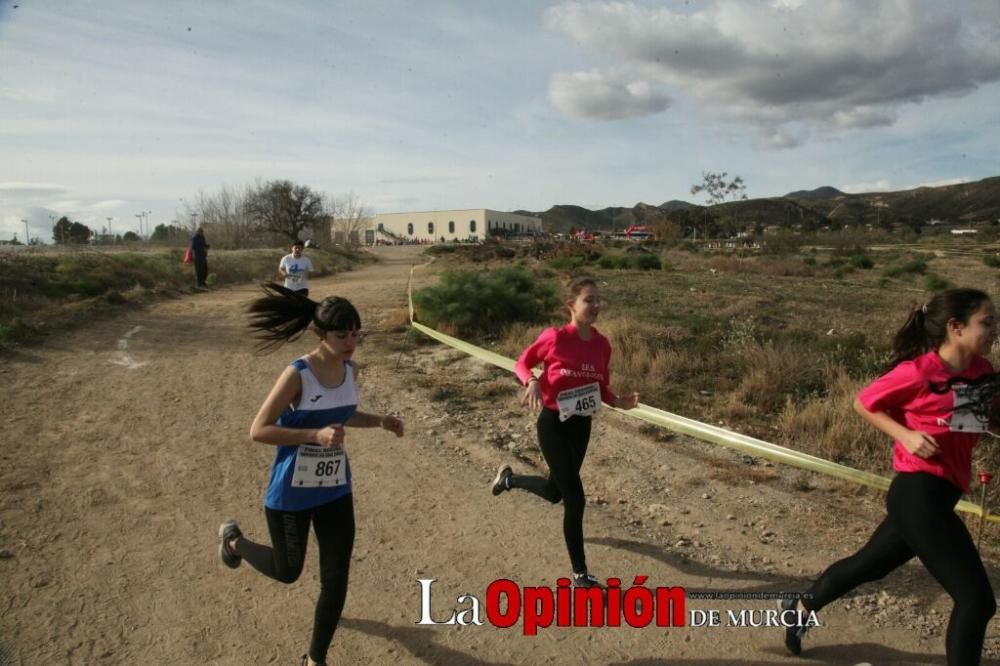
x,y
113,108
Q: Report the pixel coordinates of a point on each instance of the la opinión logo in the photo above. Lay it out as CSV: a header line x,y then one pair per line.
x,y
566,606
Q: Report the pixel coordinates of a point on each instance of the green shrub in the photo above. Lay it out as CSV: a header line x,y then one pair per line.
x,y
475,303
645,262
936,283
568,263
861,261
914,266
992,260
613,262
809,261
16,330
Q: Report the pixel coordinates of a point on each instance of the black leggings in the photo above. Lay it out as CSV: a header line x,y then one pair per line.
x,y
334,527
564,445
921,521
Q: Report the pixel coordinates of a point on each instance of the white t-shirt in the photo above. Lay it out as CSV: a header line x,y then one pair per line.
x,y
297,271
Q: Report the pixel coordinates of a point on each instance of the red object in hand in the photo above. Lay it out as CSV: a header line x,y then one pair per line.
x,y
984,478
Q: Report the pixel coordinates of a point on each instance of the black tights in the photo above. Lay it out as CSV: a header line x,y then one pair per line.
x,y
334,527
921,521
564,445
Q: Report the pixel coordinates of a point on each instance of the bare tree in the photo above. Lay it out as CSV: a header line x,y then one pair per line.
x,y
284,208
351,217
225,213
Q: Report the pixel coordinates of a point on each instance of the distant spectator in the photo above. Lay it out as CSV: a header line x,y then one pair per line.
x,y
296,268
199,252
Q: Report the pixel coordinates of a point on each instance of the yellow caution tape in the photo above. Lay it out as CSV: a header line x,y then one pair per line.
x,y
697,429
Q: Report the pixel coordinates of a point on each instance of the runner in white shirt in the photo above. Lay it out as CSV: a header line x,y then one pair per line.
x,y
296,268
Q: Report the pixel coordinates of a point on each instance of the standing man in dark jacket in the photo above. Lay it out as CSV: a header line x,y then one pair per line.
x,y
199,252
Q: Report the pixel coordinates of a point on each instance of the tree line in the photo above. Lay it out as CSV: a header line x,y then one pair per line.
x,y
259,213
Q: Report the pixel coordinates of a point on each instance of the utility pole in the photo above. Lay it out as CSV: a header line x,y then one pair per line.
x,y
27,236
110,232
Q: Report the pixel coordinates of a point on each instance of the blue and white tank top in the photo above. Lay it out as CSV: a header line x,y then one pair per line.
x,y
318,406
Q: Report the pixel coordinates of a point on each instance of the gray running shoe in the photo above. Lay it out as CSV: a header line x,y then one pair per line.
x,y
586,580
228,531
502,481
794,634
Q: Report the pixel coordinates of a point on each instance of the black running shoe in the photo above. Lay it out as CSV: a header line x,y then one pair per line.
x,y
586,580
228,531
793,635
502,481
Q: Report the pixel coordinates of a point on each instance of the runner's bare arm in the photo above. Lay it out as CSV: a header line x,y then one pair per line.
x,y
286,392
918,443
389,422
626,401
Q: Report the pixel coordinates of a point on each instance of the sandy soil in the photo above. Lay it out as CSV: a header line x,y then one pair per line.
x,y
125,445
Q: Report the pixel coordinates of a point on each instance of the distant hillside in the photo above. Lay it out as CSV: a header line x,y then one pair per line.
x,y
825,192
809,209
674,204
560,219
952,204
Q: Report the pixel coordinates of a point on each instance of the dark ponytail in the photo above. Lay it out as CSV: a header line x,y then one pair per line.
x,y
927,326
282,315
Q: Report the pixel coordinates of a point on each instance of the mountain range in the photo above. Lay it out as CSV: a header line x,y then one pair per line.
x,y
960,204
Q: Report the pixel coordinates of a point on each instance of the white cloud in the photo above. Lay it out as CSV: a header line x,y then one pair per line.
x,y
108,204
881,185
14,189
835,65
605,96
939,183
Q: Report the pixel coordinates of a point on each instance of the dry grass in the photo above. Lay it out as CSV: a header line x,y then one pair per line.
x,y
395,320
777,347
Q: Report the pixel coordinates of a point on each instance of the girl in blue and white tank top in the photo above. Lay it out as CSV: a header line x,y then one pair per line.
x,y
304,418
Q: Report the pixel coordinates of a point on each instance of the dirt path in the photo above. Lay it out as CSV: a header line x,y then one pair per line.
x,y
125,445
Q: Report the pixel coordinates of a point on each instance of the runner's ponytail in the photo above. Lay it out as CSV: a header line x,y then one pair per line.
x,y
281,315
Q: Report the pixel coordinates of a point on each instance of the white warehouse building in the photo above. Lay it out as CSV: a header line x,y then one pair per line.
x,y
470,224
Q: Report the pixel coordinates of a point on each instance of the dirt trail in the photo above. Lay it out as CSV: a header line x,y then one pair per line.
x,y
125,445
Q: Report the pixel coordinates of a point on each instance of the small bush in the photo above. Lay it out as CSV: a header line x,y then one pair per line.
x,y
16,330
913,267
935,283
567,263
475,303
645,262
993,261
613,262
860,261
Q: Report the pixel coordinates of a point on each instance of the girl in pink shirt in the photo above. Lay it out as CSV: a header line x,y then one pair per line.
x,y
933,402
574,382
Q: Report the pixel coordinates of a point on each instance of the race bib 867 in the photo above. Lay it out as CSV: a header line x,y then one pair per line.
x,y
319,467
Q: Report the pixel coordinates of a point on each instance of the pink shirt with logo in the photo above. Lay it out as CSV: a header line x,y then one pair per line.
x,y
904,393
569,362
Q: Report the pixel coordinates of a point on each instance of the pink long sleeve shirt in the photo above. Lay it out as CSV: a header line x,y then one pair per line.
x,y
568,362
904,394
